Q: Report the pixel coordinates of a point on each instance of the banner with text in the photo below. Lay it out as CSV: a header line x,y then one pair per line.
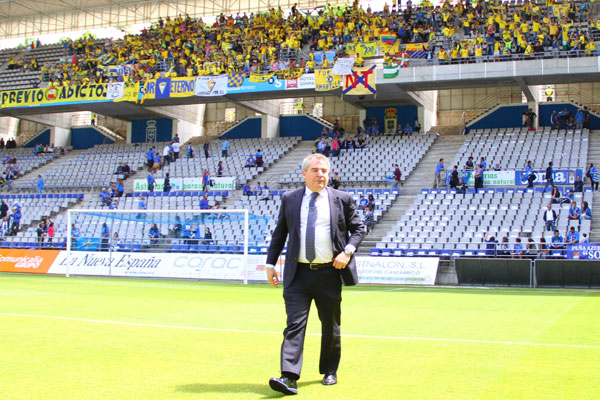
x,y
25,260
584,251
397,270
195,183
141,185
561,176
54,96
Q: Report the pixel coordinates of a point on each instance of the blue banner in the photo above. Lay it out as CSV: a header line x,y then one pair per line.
x,y
584,251
461,174
561,177
272,84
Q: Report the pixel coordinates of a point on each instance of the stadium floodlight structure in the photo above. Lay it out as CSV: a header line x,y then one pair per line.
x,y
134,228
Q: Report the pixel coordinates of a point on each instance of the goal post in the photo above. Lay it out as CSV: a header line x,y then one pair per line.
x,y
164,233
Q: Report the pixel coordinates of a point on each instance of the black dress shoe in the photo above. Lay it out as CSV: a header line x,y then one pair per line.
x,y
330,379
284,385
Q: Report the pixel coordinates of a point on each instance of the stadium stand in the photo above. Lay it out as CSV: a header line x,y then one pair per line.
x,y
90,169
442,222
27,161
512,148
34,207
233,164
380,154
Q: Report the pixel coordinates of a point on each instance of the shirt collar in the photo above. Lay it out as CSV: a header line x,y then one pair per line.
x,y
308,192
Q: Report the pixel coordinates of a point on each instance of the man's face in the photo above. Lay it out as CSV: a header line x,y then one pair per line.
x,y
317,175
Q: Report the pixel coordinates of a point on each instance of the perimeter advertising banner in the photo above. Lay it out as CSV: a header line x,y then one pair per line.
x,y
374,270
25,260
584,251
397,270
561,176
160,265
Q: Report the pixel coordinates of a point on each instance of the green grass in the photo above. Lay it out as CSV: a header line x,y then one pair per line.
x,y
59,339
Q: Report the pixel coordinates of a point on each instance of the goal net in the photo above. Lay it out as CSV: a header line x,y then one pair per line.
x,y
194,244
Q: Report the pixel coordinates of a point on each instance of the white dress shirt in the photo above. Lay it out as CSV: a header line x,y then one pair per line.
x,y
323,243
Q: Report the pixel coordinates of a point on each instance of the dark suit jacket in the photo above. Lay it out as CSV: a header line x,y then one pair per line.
x,y
346,228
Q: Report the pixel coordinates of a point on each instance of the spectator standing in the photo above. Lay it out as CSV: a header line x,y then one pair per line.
x,y
205,181
176,149
167,154
417,125
150,157
220,168
141,206
167,183
491,245
478,178
531,116
3,209
259,158
549,176
40,185
579,119
369,219
454,177
206,148
578,185
549,216
190,151
150,179
41,233
105,237
529,175
224,148
594,176
440,172
50,231
75,233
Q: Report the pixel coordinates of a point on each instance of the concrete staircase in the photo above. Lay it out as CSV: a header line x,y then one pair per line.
x,y
446,147
594,157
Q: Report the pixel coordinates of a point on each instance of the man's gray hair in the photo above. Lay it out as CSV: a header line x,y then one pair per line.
x,y
315,156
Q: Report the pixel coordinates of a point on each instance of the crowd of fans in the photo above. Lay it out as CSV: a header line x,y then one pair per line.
x,y
272,41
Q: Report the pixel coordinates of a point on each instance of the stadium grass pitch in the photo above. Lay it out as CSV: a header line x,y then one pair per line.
x,y
110,338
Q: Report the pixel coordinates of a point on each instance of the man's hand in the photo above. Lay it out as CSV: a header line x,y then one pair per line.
x,y
272,277
341,261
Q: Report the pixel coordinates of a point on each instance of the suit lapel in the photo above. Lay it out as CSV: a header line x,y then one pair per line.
x,y
333,212
297,207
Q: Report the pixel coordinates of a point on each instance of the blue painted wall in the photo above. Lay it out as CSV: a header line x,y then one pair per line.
x,y
85,138
547,108
503,117
299,125
151,130
405,115
43,138
248,129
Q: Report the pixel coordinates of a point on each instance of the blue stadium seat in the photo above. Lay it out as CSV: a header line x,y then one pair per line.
x,y
398,253
194,248
409,253
457,253
445,253
386,252
432,253
375,252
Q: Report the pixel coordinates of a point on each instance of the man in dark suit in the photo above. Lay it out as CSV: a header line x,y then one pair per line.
x,y
324,231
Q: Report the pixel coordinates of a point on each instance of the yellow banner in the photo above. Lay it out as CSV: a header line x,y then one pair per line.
x,y
290,73
361,82
390,48
53,96
131,92
325,81
414,46
258,78
367,50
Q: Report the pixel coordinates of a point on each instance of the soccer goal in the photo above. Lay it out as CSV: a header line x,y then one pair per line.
x,y
195,244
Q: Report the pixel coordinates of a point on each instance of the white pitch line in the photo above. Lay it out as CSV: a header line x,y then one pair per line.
x,y
199,328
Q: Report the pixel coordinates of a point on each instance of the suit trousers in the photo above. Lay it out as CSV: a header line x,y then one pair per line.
x,y
324,286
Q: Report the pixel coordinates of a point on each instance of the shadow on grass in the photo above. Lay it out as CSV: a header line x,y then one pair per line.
x,y
259,389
